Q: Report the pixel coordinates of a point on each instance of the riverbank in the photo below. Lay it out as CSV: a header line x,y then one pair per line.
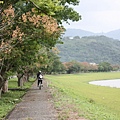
x,y
89,101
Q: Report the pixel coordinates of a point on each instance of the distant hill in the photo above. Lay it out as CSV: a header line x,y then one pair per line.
x,y
90,49
114,34
78,32
81,33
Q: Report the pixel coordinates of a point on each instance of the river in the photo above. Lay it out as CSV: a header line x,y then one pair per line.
x,y
110,83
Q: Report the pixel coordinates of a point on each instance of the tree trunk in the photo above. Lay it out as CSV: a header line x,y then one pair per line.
x,y
20,80
24,79
0,93
27,77
5,87
2,82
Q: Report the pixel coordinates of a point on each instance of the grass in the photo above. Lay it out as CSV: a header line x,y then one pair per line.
x,y
9,99
89,101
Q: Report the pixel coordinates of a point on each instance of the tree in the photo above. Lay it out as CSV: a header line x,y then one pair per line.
x,y
56,66
18,49
104,67
72,67
116,67
85,66
26,27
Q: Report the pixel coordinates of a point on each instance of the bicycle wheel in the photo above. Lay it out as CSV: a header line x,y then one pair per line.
x,y
40,86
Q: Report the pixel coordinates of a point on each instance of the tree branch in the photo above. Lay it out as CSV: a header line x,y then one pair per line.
x,y
38,7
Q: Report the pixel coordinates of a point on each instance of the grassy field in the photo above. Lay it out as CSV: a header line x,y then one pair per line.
x,y
9,99
88,101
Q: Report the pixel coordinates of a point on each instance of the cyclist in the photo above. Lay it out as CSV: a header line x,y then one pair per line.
x,y
40,78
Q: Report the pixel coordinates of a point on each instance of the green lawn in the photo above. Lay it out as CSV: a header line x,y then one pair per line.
x,y
91,101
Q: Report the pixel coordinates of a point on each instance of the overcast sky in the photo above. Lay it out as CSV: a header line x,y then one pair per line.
x,y
98,15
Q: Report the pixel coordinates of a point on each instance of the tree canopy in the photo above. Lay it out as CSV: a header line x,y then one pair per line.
x,y
28,26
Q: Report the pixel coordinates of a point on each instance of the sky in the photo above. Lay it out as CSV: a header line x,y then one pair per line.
x,y
97,16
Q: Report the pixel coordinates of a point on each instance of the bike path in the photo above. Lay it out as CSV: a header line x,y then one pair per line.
x,y
35,105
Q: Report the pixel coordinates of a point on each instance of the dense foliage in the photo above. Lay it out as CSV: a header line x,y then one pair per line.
x,y
28,27
77,67
93,49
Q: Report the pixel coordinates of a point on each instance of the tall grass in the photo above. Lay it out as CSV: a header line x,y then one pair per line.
x,y
93,102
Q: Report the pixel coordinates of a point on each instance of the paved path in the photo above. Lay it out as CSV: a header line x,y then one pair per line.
x,y
35,105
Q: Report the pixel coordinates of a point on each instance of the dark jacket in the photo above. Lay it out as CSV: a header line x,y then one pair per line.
x,y
38,74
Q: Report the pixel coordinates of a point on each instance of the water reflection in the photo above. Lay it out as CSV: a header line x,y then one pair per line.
x,y
111,83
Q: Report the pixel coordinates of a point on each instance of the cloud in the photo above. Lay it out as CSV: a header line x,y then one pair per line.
x,y
98,5
98,15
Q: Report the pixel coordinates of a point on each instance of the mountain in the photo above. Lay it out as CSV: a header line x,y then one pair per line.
x,y
78,32
114,34
81,33
92,49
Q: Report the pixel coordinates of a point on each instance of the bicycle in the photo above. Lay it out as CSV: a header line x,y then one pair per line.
x,y
40,83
